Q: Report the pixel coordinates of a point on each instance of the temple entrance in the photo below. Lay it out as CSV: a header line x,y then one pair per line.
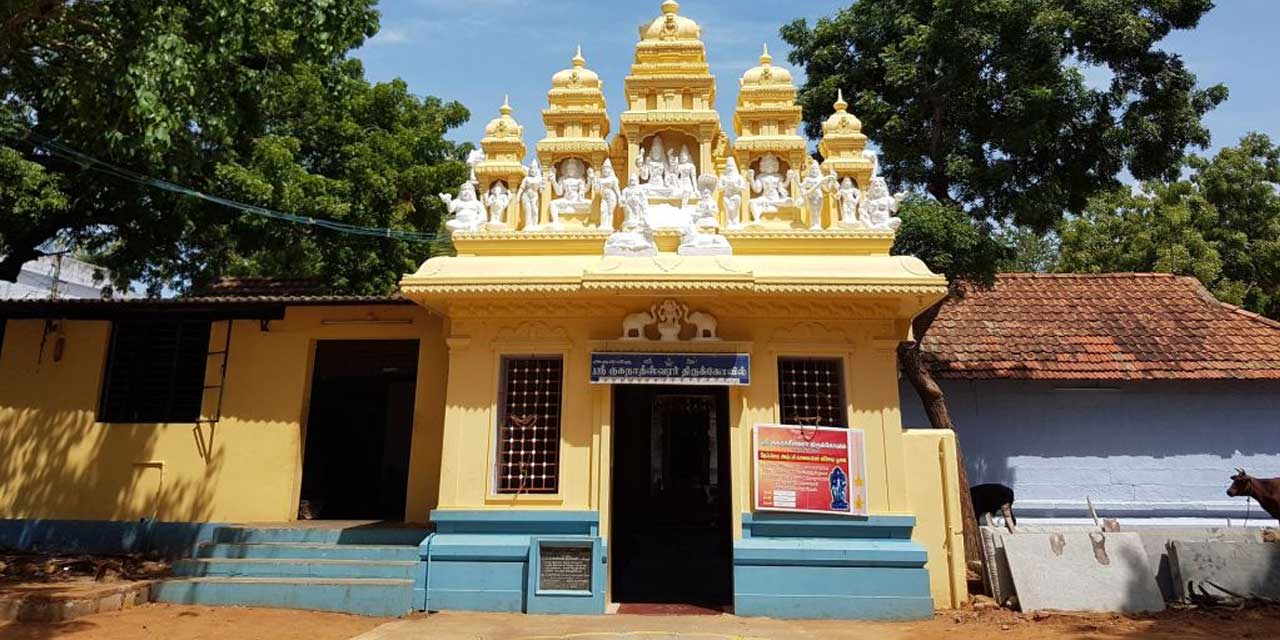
x,y
671,539
359,428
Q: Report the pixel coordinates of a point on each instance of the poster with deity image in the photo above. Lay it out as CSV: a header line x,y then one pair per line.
x,y
810,469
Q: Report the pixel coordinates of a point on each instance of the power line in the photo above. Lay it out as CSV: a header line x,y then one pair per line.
x,y
89,162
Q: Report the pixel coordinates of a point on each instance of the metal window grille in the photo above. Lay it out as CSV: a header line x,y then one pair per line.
x,y
155,371
811,391
529,425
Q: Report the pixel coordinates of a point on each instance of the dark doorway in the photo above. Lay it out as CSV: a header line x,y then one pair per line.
x,y
356,460
671,537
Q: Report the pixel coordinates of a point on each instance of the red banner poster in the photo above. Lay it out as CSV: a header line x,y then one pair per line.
x,y
810,469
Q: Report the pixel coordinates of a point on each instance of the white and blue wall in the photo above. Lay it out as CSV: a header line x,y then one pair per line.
x,y
1151,452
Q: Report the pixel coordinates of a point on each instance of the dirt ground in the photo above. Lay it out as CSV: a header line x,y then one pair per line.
x,y
174,622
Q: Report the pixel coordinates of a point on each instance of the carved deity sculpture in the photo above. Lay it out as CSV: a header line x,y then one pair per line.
x,y
848,196
497,201
467,210
652,168
671,320
772,186
671,178
687,172
879,206
814,189
731,187
530,195
610,193
572,190
636,237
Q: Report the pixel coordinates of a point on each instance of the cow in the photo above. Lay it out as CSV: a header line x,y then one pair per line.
x,y
993,499
1266,492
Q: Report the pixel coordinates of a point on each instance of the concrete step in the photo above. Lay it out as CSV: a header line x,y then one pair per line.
x,y
294,568
359,534
368,597
308,551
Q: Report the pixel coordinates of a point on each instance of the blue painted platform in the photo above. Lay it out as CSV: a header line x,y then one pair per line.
x,y
801,566
366,570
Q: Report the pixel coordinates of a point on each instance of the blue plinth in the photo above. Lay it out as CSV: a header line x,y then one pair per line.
x,y
803,566
487,561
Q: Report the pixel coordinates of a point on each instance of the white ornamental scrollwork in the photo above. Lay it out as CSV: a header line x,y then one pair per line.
x,y
670,318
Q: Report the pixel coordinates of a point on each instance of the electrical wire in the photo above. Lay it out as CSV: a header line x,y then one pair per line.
x,y
65,152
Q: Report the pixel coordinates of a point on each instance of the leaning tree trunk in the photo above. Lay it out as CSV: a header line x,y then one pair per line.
x,y
935,407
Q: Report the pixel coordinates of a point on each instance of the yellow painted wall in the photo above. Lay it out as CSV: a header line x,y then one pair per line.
x,y
57,461
933,485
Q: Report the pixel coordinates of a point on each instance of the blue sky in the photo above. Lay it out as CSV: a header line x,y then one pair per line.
x,y
475,51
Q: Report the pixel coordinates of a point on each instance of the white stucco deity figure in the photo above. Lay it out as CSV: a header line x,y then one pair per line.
x,y
700,237
467,210
530,195
848,197
671,179
497,201
772,185
651,166
636,237
814,189
687,172
732,185
607,185
572,190
879,206
707,213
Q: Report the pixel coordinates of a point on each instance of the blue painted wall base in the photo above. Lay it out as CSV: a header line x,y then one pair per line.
x,y
148,537
803,566
480,561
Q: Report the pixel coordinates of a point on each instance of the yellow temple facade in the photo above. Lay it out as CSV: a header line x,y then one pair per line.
x,y
620,332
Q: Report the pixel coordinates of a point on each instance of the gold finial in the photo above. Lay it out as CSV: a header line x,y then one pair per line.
x,y
671,7
578,60
506,105
841,105
765,58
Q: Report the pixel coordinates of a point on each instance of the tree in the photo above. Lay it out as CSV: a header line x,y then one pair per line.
x,y
987,105
1221,225
252,100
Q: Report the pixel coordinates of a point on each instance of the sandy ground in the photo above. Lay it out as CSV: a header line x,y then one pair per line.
x,y
173,622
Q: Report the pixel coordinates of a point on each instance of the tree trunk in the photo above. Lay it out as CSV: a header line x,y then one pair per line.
x,y
935,407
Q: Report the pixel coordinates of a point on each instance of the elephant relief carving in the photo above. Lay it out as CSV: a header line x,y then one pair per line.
x,y
704,325
634,324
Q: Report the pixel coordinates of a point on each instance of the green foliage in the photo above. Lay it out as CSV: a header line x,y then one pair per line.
x,y
985,103
253,100
1221,225
947,239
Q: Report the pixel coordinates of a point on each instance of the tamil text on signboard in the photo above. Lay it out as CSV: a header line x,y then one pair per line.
x,y
671,368
810,469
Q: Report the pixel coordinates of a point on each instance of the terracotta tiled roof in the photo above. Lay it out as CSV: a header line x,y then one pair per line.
x,y
1119,326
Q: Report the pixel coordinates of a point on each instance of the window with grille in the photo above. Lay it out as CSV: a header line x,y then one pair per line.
x,y
155,371
529,424
811,392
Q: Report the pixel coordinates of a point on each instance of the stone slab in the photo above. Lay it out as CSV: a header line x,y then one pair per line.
x,y
1082,571
1245,568
997,565
1156,541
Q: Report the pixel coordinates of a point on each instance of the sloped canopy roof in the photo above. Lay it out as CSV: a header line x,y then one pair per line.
x,y
1121,326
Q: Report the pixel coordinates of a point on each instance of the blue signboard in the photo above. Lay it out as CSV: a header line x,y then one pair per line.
x,y
671,368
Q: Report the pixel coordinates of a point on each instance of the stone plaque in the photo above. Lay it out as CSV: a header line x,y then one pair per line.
x,y
563,567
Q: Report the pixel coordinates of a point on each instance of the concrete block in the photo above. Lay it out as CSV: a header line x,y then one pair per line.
x,y
1245,568
1079,571
1156,541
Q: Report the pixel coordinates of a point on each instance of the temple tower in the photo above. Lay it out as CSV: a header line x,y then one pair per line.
x,y
577,125
767,121
504,150
670,95
844,146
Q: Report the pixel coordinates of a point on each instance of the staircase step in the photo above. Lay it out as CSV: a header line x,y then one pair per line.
x,y
308,551
360,534
295,568
368,597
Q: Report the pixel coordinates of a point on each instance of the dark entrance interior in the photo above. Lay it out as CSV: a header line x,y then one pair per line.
x,y
356,460
671,537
